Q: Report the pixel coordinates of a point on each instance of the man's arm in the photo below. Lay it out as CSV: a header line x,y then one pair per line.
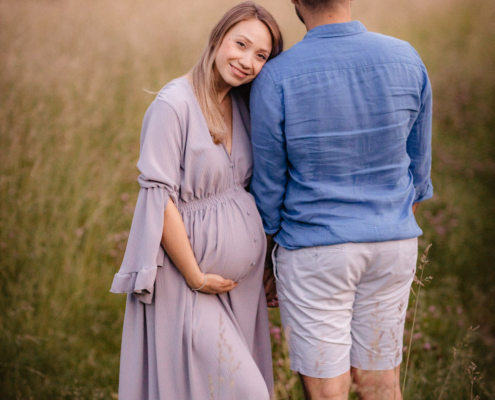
x,y
419,145
269,150
270,165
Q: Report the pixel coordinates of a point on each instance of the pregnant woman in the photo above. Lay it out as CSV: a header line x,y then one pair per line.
x,y
196,323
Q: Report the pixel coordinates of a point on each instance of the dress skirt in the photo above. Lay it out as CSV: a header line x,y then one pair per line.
x,y
167,344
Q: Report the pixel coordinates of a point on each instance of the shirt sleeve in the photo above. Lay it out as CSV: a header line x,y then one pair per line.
x,y
159,164
269,150
419,145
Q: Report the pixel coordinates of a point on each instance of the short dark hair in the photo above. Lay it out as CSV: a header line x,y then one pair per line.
x,y
319,5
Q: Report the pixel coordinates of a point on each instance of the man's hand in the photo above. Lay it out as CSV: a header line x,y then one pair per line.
x,y
268,277
415,207
270,286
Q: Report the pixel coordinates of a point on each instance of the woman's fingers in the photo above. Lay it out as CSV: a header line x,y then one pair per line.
x,y
229,285
228,282
216,284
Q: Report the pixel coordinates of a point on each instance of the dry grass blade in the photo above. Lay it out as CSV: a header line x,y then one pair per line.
x,y
419,282
457,353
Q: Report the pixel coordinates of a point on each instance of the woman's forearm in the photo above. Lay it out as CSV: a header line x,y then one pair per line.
x,y
176,244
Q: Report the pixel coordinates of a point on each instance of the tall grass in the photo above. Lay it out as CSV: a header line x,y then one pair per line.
x,y
72,76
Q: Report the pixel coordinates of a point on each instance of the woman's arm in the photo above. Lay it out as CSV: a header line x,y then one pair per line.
x,y
176,244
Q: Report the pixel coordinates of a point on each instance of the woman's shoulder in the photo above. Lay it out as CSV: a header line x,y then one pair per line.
x,y
177,94
168,114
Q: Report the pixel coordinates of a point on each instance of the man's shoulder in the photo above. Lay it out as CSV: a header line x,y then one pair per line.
x,y
380,37
365,49
392,46
284,64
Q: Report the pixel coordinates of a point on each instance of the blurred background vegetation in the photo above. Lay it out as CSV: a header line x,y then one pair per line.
x,y
72,75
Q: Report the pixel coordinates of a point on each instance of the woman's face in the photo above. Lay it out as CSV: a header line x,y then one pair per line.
x,y
243,52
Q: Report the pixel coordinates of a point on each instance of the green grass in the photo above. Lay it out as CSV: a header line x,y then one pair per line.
x,y
71,80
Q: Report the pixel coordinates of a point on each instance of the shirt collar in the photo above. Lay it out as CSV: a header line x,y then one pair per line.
x,y
332,30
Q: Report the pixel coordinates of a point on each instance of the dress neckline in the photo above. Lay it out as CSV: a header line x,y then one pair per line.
x,y
234,116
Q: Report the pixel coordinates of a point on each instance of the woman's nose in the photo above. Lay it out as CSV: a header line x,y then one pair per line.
x,y
245,61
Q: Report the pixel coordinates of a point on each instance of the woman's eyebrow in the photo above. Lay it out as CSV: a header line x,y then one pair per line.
x,y
250,42
246,39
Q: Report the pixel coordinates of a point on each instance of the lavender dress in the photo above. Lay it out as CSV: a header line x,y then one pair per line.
x,y
178,344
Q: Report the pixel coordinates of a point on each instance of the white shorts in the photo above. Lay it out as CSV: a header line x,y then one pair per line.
x,y
345,305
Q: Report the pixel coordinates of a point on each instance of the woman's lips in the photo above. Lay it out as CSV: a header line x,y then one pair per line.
x,y
237,72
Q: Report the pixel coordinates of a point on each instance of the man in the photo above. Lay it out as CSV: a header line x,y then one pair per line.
x,y
341,131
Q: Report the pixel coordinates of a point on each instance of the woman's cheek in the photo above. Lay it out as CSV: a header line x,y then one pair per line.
x,y
257,70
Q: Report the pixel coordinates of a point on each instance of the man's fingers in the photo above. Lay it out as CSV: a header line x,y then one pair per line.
x,y
267,288
272,294
267,275
272,304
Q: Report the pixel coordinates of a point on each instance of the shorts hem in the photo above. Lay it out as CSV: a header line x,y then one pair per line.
x,y
319,371
377,363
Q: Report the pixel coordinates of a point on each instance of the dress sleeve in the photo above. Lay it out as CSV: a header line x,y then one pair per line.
x,y
159,164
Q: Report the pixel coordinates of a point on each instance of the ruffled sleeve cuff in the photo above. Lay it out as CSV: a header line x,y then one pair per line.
x,y
141,284
144,253
134,282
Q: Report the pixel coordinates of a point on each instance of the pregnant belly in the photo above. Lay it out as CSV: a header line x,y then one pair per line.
x,y
230,240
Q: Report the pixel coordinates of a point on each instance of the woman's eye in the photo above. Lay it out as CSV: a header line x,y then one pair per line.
x,y
241,44
262,57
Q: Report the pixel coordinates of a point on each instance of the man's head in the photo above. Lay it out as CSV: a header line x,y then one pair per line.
x,y
305,7
322,5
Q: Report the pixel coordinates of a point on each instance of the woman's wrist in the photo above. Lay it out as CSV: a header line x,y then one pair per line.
x,y
196,280
198,288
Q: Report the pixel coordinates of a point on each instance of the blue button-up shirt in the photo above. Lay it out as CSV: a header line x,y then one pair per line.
x,y
341,132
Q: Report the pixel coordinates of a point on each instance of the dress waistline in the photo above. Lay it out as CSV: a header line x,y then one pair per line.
x,y
210,201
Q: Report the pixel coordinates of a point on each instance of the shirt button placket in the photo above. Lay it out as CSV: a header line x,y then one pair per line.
x,y
231,165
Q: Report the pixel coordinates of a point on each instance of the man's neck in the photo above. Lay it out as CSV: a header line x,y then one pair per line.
x,y
328,17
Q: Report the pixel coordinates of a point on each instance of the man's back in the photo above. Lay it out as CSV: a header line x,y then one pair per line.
x,y
341,131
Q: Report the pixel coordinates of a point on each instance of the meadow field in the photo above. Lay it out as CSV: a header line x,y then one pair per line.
x,y
75,78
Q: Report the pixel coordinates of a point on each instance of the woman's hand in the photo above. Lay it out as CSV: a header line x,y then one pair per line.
x,y
215,284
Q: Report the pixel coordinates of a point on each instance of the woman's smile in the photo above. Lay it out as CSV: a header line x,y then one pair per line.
x,y
237,72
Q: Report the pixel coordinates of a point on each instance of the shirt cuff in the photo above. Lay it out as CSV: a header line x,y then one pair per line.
x,y
271,231
427,194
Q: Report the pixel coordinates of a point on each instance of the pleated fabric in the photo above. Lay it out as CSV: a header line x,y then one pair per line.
x,y
180,344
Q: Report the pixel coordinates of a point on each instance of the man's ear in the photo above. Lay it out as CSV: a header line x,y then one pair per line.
x,y
295,2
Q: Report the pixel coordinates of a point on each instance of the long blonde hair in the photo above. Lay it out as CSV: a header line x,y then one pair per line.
x,y
203,78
